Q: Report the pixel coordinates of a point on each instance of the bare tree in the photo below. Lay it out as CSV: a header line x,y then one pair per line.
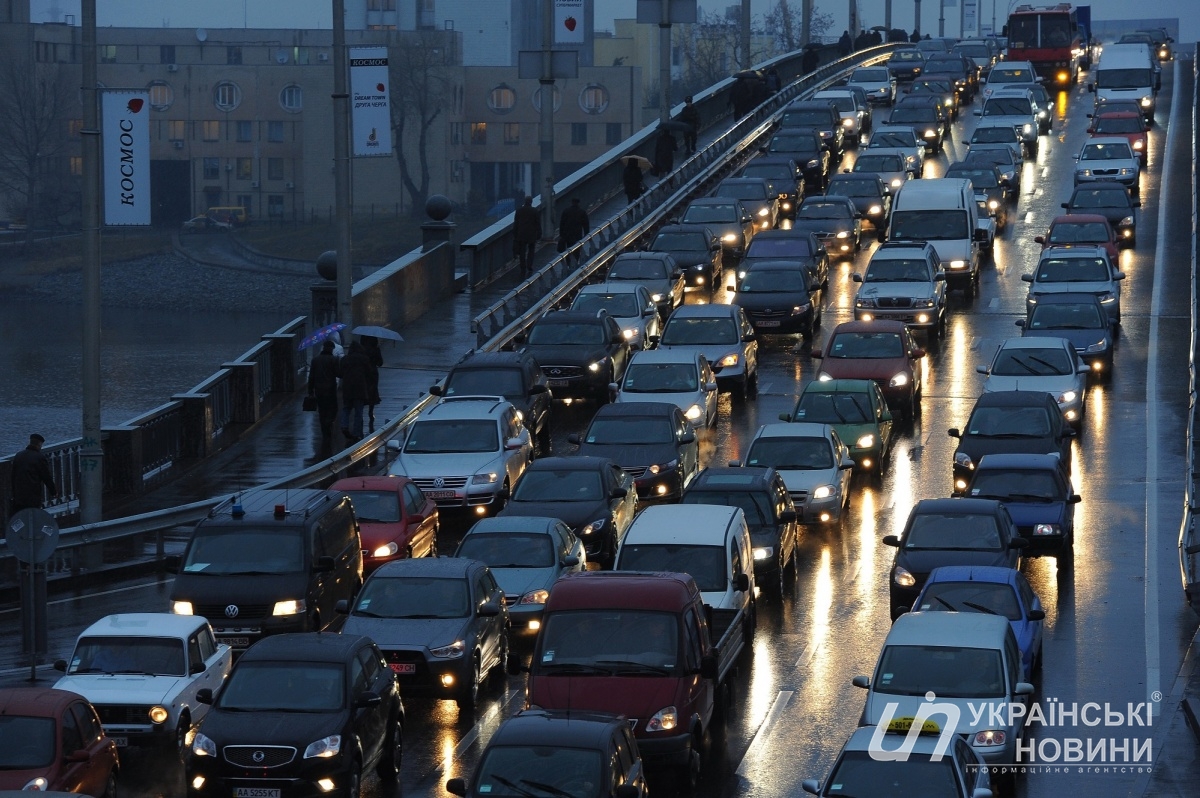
x,y
788,25
711,49
422,90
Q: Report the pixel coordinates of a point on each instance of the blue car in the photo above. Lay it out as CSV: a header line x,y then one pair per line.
x,y
1082,320
1038,495
990,590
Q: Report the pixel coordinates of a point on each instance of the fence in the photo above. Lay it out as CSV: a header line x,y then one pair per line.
x,y
1189,535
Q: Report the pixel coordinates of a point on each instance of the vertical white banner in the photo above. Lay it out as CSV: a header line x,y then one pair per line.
x,y
370,108
568,21
970,18
125,138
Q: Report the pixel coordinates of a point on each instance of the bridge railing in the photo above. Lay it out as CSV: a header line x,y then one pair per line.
x,y
1189,534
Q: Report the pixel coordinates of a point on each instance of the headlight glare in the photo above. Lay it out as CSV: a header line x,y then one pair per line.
x,y
898,381
386,550
203,746
540,596
903,578
865,441
181,607
158,714
453,651
325,748
665,719
290,607
822,492
595,526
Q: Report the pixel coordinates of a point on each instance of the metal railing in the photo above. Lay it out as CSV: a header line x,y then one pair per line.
x,y
1189,534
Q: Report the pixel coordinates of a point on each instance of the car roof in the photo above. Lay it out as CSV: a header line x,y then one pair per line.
x,y
666,356
838,386
894,250
767,235
636,409
643,254
683,228
1079,218
780,265
145,624
35,701
490,360
575,462
795,429
734,478
1118,114
466,407
1016,398
1068,298
1001,461
587,590
540,727
614,287
697,524
709,311
498,524
956,506
441,567
1106,140
306,646
1073,251
961,629
1108,186
713,201
995,574
1035,343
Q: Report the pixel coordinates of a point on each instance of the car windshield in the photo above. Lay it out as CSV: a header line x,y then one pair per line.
x,y
1079,233
375,506
913,113
980,178
949,671
791,454
929,225
756,506
1118,124
896,270
700,214
619,305
859,774
764,247
1123,79
608,638
777,172
1072,270
825,210
993,134
265,686
907,55
570,333
870,76
484,382
1007,106
681,330
1112,151
854,188
806,118
680,242
844,105
639,269
661,378
1009,422
227,550
705,564
833,408
413,597
1005,75
559,485
513,771
26,743
872,162
1065,316
1026,362
853,345
157,656
974,50
1100,198
624,430
508,549
989,598
1001,156
742,191
893,138
952,531
444,436
1022,484
804,145
771,281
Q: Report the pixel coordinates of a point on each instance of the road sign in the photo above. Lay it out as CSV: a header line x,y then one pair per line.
x,y
32,536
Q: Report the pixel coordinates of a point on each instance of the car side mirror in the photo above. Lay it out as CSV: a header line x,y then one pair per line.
x,y
619,493
891,540
568,562
456,786
918,353
788,516
573,438
708,667
861,682
204,695
626,791
368,699
1119,276
538,388
811,786
1091,87
954,432
514,443
1075,498
1027,278
324,565
1035,615
980,236
741,582
1065,204
489,609
981,369
846,464
940,277
785,417
1018,543
435,390
710,386
172,563
617,339
1023,688
817,355
886,415
342,607
60,665
856,277
393,445
197,667
978,112
1039,239
688,437
81,755
1020,323
654,339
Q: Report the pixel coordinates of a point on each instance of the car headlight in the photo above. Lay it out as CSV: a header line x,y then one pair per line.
x,y
898,381
595,526
656,468
1126,222
865,441
521,414
875,210
1085,172
1043,114
958,264
843,234
1126,171
1137,145
864,303
1097,347
1147,101
963,460
823,377
693,413
203,746
728,360
325,748
1067,396
989,738
1108,298
540,596
993,205
1047,529
485,479
158,714
896,183
386,550
787,206
665,719
848,122
822,491
290,607
764,211
741,274
903,578
924,303
931,133
729,238
1026,128
38,784
594,367
814,163
630,333
453,651
800,309
182,607
763,553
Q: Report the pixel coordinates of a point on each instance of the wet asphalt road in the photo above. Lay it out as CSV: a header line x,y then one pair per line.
x,y
1116,628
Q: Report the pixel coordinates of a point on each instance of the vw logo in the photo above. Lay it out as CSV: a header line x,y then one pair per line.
x,y
438,482
258,756
231,611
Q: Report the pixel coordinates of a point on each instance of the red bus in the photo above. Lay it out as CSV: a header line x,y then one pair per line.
x,y
1050,38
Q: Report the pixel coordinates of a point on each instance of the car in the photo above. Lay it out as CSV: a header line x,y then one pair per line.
x,y
992,591
804,146
985,224
1015,108
763,497
558,753
883,351
1049,364
906,64
779,298
1077,270
1007,158
441,625
945,113
395,519
1112,201
653,442
814,463
307,710
54,742
981,52
990,183
1038,494
1047,106
905,139
836,221
960,67
657,271
821,116
1127,124
525,555
994,136
724,335
142,671
1010,422
857,411
871,197
802,247
1109,158
854,116
204,224
756,195
1082,320
928,121
1162,43
681,376
784,174
944,87
465,453
592,495
1081,229
629,303
697,252
931,768
903,282
729,219
877,82
1009,74
1130,106
580,352
514,375
949,532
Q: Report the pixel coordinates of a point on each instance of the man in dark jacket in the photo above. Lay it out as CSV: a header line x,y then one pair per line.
x,y
573,225
375,356
690,116
322,386
811,59
916,36
30,474
631,177
774,82
354,369
845,44
664,153
527,231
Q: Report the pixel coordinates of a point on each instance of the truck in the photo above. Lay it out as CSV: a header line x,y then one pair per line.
x,y
642,645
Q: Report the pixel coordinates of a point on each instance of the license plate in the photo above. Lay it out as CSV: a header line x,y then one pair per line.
x,y
122,742
557,383
440,494
255,792
771,323
235,642
403,667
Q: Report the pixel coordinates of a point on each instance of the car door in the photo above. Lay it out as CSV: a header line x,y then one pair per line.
x,y
101,751
422,519
618,346
73,776
883,419
622,509
218,660
491,629
782,503
710,396
749,344
841,453
367,721
570,546
914,362
686,445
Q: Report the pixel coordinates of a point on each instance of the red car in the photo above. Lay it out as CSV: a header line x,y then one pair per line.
x,y
52,741
396,520
883,351
1123,123
1083,229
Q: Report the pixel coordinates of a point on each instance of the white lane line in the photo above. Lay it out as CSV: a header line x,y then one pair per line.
x,y
1028,217
475,734
851,576
760,736
1037,192
808,654
995,303
91,596
1045,171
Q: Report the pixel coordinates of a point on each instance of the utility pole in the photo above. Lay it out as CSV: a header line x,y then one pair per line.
x,y
664,63
917,17
941,18
806,15
91,457
744,35
341,166
546,124
887,16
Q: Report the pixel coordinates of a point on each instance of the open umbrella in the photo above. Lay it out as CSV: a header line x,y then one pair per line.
x,y
642,163
379,332
317,336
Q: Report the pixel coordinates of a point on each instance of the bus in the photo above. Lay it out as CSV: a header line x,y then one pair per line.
x,y
1051,39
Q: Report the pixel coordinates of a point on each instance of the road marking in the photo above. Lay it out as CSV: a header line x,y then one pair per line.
x,y
475,734
975,342
1037,192
852,576
1045,171
1028,217
91,596
760,736
995,303
808,654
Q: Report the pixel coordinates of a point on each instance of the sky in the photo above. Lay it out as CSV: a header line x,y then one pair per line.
x,y
317,13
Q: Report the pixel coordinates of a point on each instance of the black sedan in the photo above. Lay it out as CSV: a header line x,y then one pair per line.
x,y
300,714
803,145
925,120
943,532
592,495
870,196
785,175
1112,201
780,298
801,247
652,441
696,250
836,221
1010,422
987,181
580,352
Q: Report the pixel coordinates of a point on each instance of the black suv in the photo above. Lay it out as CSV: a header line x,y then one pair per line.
x,y
696,250
514,375
870,196
770,514
804,146
652,441
819,114
300,714
580,352
1010,422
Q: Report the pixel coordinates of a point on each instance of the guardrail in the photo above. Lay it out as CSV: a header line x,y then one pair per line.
x,y
1189,535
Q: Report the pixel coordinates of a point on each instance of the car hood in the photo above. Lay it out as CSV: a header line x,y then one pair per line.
x,y
823,227
656,286
850,433
407,632
448,464
807,479
123,688
949,249
376,534
636,697
1113,214
690,257
915,290
1055,385
298,729
573,514
712,352
1010,119
1090,287
681,400
879,369
919,563
907,706
1080,339
1109,163
566,354
632,455
516,582
720,228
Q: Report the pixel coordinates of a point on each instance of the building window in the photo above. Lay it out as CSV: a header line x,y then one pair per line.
x,y
108,53
76,166
233,55
166,54
457,170
244,168
275,131
426,19
537,98
74,127
579,132
291,99
612,133
512,132
176,130
502,99
210,130
275,206
245,130
381,5
227,96
161,95
245,200
593,99
212,168
479,132
274,169
300,55
456,132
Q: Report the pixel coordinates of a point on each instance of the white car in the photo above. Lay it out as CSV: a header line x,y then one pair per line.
x,y
141,672
890,163
1077,269
1009,74
682,377
725,337
997,136
814,463
1040,364
1109,158
630,305
877,82
854,117
1017,109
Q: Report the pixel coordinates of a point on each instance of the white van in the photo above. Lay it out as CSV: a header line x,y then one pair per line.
x,y
943,212
1126,72
709,543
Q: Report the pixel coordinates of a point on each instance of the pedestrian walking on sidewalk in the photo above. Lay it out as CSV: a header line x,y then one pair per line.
x,y
632,179
30,474
573,225
664,153
690,116
322,386
371,345
527,231
354,369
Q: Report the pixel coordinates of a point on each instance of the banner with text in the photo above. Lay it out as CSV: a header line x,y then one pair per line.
x,y
125,139
370,109
970,18
568,21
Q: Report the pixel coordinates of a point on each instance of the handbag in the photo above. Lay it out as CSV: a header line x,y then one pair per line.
x,y
310,403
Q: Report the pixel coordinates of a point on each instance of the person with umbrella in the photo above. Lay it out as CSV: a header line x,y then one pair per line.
x,y
375,357
354,369
632,178
690,116
322,386
573,225
664,153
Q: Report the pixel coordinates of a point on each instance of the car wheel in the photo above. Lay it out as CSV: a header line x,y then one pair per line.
x,y
354,779
751,389
774,588
392,754
543,440
468,696
181,733
688,776
110,785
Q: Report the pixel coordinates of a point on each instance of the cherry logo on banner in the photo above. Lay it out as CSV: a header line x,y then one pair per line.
x,y
379,87
135,105
570,23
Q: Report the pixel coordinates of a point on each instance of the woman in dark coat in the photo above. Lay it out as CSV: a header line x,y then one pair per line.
x,y
354,369
371,345
632,178
664,153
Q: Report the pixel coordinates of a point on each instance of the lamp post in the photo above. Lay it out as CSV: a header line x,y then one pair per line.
x,y
91,457
546,124
341,165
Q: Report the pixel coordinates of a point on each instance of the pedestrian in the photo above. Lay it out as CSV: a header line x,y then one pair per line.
x,y
322,386
862,41
573,225
354,370
690,116
30,474
916,36
527,231
664,153
875,38
810,60
774,83
632,178
845,43
375,356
